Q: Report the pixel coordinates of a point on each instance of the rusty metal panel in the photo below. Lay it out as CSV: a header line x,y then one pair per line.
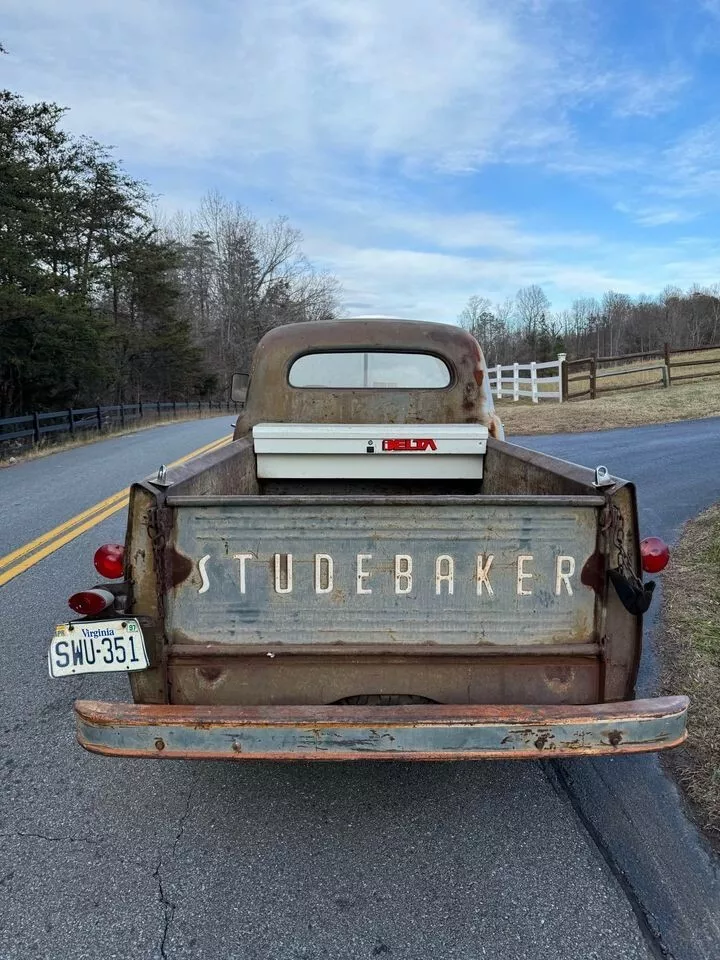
x,y
621,631
512,469
229,470
389,573
295,677
365,733
143,566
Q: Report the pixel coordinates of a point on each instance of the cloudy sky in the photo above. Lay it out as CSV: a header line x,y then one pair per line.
x,y
427,149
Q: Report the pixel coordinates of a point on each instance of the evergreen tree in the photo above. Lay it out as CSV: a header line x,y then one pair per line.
x,y
97,305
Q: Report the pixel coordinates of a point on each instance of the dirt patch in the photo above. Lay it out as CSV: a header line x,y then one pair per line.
x,y
631,408
689,649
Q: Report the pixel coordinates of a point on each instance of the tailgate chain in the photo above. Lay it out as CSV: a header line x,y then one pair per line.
x,y
157,527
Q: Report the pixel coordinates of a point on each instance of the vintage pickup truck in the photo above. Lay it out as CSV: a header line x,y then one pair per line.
x,y
369,570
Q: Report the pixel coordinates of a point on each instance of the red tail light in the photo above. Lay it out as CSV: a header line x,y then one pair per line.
x,y
655,554
89,603
108,560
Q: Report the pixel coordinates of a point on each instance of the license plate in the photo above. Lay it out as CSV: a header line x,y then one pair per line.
x,y
97,646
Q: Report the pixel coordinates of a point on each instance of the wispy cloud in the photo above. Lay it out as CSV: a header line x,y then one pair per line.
x,y
404,282
691,166
643,95
452,85
410,79
657,216
428,148
474,231
711,6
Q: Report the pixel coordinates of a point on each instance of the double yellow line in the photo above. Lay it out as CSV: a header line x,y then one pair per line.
x,y
20,560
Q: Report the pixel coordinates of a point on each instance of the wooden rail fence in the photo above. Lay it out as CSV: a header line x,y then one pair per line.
x,y
589,370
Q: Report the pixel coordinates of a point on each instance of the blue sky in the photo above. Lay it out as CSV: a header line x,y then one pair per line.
x,y
427,149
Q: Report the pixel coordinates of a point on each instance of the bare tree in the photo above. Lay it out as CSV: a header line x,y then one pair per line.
x,y
532,307
478,319
524,328
241,277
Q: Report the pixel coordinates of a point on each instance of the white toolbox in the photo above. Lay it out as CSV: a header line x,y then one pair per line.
x,y
382,451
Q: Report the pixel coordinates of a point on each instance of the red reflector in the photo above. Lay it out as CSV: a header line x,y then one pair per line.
x,y
89,603
108,560
655,554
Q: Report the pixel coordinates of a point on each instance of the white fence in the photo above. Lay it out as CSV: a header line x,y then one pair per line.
x,y
521,380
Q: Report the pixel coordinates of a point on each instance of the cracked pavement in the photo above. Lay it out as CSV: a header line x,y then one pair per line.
x,y
169,860
169,906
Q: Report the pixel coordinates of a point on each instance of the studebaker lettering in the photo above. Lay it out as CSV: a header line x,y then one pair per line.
x,y
404,573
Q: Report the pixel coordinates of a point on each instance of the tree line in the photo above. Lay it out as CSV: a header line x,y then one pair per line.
x,y
525,328
102,302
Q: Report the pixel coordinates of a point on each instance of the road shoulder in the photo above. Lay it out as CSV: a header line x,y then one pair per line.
x,y
689,650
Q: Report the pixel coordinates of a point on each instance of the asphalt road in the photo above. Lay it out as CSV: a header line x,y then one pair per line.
x,y
584,860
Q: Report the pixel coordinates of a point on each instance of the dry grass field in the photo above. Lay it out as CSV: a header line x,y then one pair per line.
x,y
690,651
644,401
642,377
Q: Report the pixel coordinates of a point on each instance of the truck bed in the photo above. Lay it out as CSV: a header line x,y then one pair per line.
x,y
447,591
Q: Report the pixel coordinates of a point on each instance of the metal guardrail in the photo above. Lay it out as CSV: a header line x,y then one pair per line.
x,y
35,426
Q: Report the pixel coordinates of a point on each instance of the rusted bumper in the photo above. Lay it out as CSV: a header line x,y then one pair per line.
x,y
432,732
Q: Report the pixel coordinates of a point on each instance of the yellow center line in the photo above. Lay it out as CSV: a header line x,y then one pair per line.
x,y
31,553
39,541
96,508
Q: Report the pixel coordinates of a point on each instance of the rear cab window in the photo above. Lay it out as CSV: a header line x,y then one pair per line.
x,y
377,369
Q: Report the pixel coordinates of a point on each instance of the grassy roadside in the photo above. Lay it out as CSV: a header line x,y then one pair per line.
x,y
631,408
690,655
8,459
